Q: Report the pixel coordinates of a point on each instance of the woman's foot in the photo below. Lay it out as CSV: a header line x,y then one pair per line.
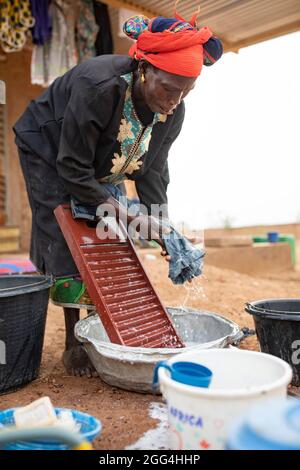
x,y
77,362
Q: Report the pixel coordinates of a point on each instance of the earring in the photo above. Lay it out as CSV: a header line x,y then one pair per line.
x,y
143,78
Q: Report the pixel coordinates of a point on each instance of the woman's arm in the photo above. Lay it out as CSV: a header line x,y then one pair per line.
x,y
152,186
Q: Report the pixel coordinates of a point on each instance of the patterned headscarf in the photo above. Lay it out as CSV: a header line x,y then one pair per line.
x,y
173,44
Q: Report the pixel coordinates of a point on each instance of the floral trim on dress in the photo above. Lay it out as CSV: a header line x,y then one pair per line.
x,y
134,139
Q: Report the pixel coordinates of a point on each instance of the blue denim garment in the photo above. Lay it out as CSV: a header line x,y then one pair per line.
x,y
88,212
115,191
132,205
186,260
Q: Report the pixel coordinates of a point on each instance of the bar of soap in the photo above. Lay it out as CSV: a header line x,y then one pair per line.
x,y
66,420
39,413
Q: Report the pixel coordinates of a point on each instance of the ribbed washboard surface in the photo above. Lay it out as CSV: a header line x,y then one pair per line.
x,y
126,301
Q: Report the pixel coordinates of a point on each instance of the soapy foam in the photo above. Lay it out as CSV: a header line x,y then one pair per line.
x,y
157,438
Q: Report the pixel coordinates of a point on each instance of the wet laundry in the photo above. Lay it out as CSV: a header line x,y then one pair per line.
x,y
186,260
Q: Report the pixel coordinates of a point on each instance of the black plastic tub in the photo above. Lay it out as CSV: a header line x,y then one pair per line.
x,y
277,323
23,310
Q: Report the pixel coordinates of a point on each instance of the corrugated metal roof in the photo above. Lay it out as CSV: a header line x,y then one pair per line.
x,y
238,23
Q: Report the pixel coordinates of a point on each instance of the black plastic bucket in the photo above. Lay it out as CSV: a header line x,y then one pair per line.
x,y
23,311
277,323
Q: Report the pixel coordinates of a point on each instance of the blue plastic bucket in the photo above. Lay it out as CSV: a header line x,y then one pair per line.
x,y
273,425
273,237
90,427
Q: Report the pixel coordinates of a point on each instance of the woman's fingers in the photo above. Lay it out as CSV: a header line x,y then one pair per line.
x,y
165,254
166,230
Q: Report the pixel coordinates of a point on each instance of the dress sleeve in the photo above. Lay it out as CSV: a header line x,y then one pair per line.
x,y
152,186
87,114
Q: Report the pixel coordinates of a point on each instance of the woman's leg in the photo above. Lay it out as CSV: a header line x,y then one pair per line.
x,y
75,358
49,251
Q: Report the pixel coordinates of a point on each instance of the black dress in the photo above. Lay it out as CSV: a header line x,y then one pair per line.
x,y
67,139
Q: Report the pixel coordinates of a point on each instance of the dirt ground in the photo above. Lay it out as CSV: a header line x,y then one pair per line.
x,y
124,415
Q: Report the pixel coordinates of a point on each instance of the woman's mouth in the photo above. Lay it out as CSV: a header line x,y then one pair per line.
x,y
165,111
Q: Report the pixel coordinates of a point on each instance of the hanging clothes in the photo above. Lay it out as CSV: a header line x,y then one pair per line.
x,y
15,20
86,31
58,54
104,40
41,31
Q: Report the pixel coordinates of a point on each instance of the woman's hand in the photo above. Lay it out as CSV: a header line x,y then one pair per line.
x,y
150,228
166,256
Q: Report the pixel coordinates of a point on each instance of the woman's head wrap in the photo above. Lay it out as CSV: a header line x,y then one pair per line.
x,y
173,44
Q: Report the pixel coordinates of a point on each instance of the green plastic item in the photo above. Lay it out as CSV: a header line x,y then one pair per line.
x,y
260,239
288,238
284,238
70,292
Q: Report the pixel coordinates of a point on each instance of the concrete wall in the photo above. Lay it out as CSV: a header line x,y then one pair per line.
x,y
293,229
260,259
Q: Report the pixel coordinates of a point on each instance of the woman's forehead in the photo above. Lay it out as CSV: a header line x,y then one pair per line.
x,y
176,81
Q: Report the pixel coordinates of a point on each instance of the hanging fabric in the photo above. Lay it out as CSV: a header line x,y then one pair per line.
x,y
41,31
86,30
104,40
15,21
58,54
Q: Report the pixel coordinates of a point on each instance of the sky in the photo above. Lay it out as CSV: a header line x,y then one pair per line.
x,y
236,161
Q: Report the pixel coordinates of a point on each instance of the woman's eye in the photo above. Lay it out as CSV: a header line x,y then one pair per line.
x,y
168,90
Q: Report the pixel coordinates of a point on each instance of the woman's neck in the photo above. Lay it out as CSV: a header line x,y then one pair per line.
x,y
144,112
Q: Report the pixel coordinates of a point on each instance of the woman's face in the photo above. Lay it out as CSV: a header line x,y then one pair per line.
x,y
163,91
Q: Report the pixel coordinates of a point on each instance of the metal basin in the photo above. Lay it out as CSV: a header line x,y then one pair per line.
x,y
132,368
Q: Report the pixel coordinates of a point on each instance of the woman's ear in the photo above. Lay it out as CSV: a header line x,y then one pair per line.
x,y
142,67
148,69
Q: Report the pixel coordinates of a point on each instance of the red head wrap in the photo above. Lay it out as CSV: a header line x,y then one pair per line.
x,y
176,47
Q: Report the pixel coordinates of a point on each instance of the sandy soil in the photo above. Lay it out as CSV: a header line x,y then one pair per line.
x,y
124,415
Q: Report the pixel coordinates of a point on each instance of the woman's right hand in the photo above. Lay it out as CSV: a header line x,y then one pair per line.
x,y
150,228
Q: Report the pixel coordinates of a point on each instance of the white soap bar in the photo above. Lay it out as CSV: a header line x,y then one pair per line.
x,y
38,414
66,420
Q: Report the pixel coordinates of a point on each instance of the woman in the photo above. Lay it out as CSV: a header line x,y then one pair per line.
x,y
109,118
